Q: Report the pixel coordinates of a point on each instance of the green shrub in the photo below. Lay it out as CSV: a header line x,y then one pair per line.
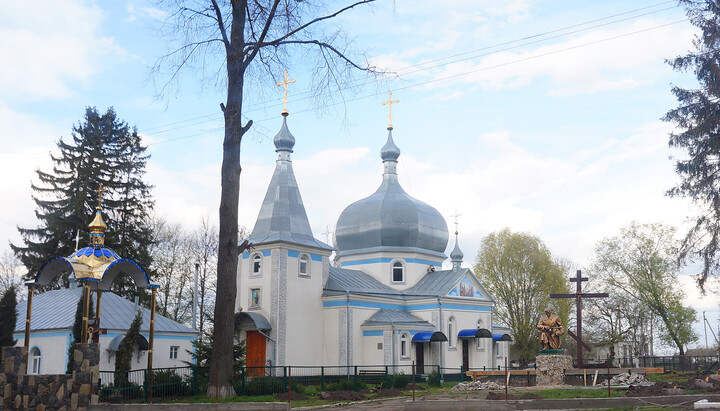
x,y
433,379
265,386
169,384
346,385
400,381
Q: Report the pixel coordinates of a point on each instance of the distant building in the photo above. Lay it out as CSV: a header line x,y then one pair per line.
x,y
53,316
383,300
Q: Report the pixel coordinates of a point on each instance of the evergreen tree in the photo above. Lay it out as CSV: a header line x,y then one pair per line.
x,y
697,118
8,317
123,357
103,150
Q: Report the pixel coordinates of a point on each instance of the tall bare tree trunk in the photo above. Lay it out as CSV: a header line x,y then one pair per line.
x,y
221,365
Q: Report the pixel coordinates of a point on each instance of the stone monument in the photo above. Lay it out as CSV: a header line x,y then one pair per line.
x,y
551,361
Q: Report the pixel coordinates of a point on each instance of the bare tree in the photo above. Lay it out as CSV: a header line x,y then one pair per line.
x,y
11,274
204,246
255,38
172,260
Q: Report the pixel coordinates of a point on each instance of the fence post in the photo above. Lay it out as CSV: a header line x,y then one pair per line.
x,y
439,375
355,384
194,380
285,375
461,374
242,380
145,384
387,382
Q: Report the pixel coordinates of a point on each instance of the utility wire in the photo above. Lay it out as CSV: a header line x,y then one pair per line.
x,y
449,77
308,95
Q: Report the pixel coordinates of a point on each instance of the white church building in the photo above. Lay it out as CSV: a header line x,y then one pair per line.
x,y
384,298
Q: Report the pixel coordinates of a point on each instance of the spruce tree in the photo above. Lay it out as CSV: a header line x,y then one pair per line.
x,y
102,150
8,317
123,357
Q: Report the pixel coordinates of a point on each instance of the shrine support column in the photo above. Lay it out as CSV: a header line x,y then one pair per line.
x,y
28,315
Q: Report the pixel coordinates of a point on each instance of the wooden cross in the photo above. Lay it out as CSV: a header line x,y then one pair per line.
x,y
389,103
285,83
99,192
578,296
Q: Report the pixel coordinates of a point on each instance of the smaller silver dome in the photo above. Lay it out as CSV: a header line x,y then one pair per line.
x,y
284,140
390,151
456,254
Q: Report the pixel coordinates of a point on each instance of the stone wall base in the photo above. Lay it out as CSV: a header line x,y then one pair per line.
x,y
550,369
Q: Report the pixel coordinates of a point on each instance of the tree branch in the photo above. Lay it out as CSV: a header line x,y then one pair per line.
x,y
259,43
221,25
320,44
319,19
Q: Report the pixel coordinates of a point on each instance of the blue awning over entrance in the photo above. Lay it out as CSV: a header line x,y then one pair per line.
x,y
436,336
501,337
475,333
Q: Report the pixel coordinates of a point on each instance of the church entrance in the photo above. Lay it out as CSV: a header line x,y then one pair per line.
x,y
255,354
420,358
466,353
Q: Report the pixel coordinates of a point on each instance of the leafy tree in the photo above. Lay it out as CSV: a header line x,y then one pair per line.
x,y
123,357
77,329
253,39
103,150
641,263
696,119
520,273
8,317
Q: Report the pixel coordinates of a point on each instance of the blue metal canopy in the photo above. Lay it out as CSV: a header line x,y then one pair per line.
x,y
249,321
475,333
501,337
431,336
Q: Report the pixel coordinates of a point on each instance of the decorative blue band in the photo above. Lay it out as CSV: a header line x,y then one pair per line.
x,y
374,333
387,260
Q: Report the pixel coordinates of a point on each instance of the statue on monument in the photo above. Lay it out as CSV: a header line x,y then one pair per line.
x,y
550,329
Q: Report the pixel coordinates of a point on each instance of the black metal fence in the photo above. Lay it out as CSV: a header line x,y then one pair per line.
x,y
167,383
680,363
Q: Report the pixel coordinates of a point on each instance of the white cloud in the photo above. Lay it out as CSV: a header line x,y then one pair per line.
x,y
52,50
582,64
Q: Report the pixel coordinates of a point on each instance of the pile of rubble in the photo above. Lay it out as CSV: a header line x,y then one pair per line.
x,y
477,386
630,379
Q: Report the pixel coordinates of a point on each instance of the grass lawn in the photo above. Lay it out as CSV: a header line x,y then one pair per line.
x,y
557,393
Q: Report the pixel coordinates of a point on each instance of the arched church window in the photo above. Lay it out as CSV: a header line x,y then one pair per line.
x,y
256,264
398,272
303,266
451,335
404,345
480,341
35,358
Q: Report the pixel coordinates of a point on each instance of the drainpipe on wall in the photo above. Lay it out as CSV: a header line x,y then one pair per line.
x,y
442,350
273,341
347,329
392,344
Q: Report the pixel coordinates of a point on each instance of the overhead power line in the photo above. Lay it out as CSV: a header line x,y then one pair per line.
x,y
211,117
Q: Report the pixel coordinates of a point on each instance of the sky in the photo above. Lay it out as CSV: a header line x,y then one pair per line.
x,y
543,116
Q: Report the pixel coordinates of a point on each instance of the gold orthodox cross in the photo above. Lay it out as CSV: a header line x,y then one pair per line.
x,y
99,192
389,103
285,83
455,216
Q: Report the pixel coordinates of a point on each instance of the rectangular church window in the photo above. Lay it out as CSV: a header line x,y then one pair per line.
x,y
174,351
379,346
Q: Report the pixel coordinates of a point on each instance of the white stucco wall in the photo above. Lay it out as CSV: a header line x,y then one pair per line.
x,y
53,345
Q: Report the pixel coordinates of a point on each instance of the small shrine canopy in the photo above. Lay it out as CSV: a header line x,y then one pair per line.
x,y
95,264
475,333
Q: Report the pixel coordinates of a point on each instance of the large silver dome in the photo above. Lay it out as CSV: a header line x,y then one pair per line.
x,y
390,219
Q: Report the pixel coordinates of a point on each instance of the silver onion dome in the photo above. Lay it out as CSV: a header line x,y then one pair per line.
x,y
390,219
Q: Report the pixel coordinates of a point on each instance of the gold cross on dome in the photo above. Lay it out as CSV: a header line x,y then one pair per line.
x,y
389,103
285,83
99,191
455,216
